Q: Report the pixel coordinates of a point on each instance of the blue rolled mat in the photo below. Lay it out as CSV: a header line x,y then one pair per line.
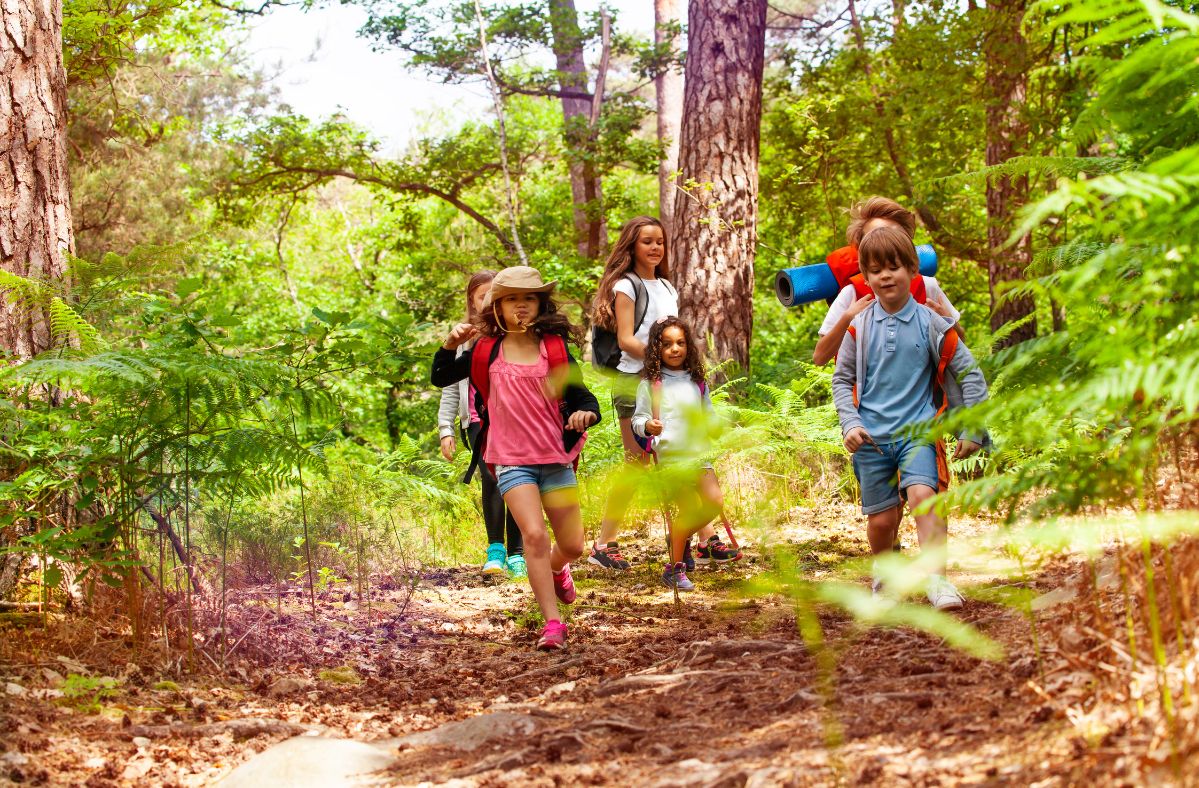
x,y
809,283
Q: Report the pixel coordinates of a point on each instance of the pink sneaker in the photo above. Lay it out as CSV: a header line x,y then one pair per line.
x,y
553,636
564,585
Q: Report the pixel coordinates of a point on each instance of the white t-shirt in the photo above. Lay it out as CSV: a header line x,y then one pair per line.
x,y
663,301
847,296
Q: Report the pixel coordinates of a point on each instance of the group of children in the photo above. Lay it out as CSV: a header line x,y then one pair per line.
x,y
510,381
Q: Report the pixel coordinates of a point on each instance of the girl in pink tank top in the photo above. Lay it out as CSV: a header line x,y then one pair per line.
x,y
535,411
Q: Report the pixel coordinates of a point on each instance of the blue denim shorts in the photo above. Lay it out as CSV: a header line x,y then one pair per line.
x,y
900,464
547,477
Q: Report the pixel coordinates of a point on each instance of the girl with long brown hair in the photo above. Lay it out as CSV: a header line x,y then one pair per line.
x,y
634,291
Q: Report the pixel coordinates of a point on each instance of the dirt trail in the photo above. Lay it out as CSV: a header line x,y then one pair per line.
x,y
718,691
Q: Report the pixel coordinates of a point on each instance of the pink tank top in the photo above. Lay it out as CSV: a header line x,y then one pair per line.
x,y
526,427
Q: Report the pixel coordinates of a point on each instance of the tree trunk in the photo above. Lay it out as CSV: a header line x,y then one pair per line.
x,y
35,200
668,88
35,217
585,189
716,224
1006,54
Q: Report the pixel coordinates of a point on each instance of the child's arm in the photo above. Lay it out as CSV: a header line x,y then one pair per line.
x,y
974,390
853,431
643,413
447,411
581,404
826,348
447,368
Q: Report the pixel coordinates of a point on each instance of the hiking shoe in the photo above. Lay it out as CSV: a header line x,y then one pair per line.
x,y
715,551
564,585
496,553
609,557
553,636
516,567
942,594
688,558
676,577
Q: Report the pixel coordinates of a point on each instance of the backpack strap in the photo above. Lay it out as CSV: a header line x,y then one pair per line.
x,y
641,302
949,346
919,290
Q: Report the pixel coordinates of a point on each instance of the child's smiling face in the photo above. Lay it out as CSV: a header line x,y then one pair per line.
x,y
674,348
519,310
650,246
891,283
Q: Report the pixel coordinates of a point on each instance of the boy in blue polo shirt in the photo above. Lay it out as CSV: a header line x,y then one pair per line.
x,y
888,380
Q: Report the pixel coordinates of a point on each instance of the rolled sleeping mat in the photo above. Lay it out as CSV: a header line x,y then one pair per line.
x,y
810,283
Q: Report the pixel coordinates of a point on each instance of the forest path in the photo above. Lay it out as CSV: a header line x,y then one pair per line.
x,y
718,691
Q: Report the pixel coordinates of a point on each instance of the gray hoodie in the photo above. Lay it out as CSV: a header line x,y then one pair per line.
x,y
964,383
455,403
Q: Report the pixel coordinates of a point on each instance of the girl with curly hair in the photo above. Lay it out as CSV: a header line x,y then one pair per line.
x,y
672,414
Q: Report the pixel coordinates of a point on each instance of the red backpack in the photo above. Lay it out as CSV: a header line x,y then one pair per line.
x,y
844,264
484,354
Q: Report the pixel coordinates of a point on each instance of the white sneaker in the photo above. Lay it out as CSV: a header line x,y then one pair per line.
x,y
942,594
876,583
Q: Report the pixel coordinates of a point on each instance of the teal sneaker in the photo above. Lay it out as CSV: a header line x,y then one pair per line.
x,y
517,568
495,559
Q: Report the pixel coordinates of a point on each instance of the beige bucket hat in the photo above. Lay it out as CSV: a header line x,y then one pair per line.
x,y
517,279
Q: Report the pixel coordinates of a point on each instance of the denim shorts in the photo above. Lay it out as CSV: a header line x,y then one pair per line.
x,y
624,393
547,477
901,463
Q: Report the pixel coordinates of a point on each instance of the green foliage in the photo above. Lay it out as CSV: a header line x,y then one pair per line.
x,y
86,693
1085,412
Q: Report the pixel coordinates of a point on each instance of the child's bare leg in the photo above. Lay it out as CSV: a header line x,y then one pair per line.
x,y
696,515
623,485
898,522
562,508
930,526
525,504
881,528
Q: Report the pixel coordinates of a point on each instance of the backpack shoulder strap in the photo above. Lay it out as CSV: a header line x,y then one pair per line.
x,y
482,356
860,288
641,302
555,350
949,346
919,290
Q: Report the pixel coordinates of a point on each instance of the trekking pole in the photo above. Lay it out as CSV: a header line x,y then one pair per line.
x,y
728,529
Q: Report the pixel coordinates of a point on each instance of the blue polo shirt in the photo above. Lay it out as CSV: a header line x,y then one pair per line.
x,y
898,390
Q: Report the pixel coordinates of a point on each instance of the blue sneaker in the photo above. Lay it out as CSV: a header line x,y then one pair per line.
x,y
676,577
496,553
517,568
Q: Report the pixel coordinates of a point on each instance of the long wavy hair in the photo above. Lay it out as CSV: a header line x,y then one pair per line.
x,y
477,280
549,320
693,363
620,262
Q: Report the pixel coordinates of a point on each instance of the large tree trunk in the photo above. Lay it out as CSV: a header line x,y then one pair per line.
x,y
668,88
716,225
1007,136
35,202
585,188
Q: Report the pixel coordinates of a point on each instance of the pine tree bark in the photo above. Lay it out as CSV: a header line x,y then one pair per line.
x,y
716,224
1007,59
35,206
586,191
668,87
